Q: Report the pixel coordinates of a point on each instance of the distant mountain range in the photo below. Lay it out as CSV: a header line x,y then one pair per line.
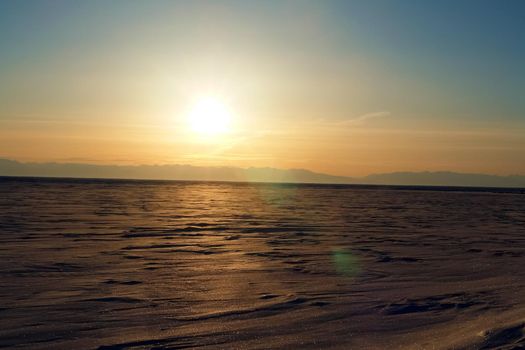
x,y
199,173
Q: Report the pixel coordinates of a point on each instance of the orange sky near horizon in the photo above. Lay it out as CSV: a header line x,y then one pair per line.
x,y
350,148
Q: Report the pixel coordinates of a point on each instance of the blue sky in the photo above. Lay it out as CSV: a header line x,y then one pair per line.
x,y
473,48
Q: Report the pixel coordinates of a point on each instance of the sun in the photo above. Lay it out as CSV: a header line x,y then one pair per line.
x,y
209,116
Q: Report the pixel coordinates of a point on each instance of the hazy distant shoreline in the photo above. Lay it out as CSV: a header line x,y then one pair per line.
x,y
177,172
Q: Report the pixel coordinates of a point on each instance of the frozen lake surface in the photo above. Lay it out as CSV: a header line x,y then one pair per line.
x,y
112,264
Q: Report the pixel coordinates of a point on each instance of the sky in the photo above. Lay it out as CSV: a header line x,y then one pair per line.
x,y
342,87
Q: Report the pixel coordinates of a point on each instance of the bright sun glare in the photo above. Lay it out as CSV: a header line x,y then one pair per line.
x,y
209,116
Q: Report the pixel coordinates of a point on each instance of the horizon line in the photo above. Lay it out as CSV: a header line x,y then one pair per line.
x,y
451,188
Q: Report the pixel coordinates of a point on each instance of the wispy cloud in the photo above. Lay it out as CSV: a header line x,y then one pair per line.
x,y
350,121
363,118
